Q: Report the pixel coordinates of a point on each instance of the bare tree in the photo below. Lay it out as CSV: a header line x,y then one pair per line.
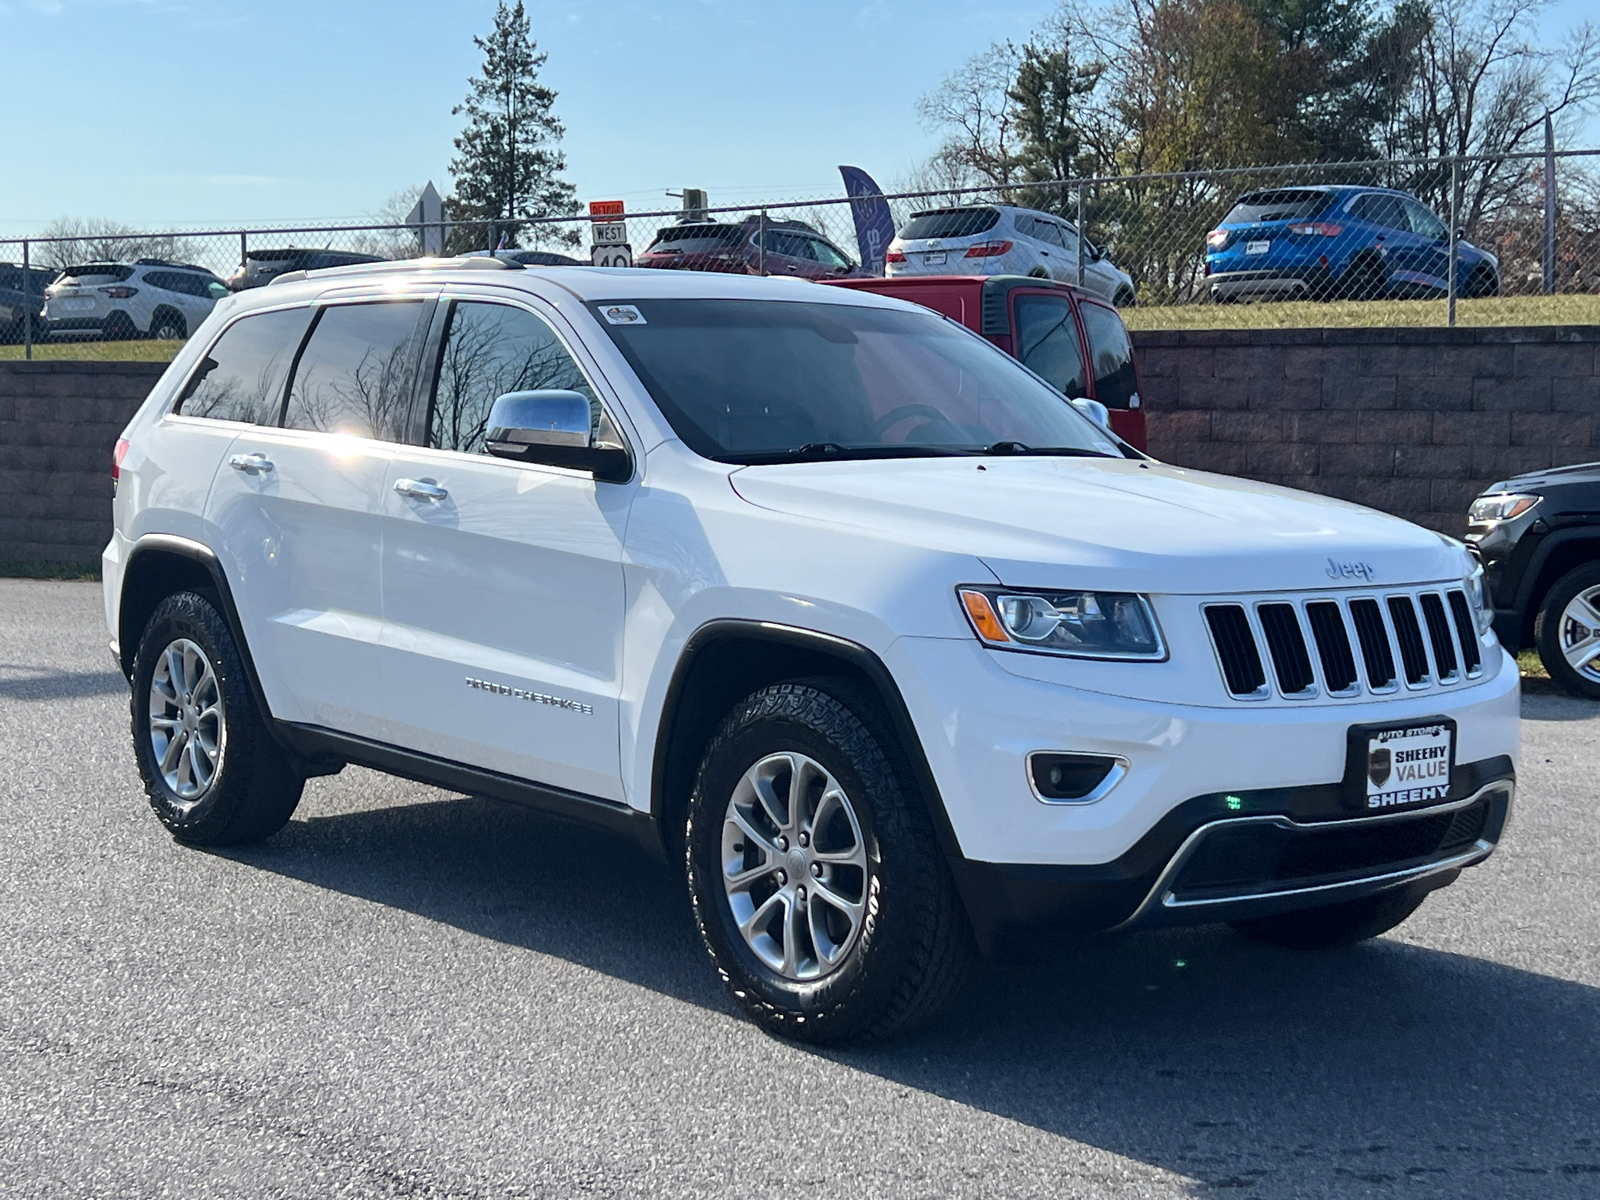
x,y
96,239
973,107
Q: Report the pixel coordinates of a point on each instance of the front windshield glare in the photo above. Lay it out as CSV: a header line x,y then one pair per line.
x,y
756,381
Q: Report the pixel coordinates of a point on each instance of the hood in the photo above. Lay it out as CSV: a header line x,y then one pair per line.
x,y
1112,523
1534,481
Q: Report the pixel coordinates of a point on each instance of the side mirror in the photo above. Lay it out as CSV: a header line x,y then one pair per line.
x,y
1094,410
554,428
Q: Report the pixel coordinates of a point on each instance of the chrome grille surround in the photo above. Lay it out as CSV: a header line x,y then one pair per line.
x,y
1439,625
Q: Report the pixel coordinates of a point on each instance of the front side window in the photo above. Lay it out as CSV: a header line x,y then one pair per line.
x,y
1112,354
1047,342
491,349
355,374
772,381
241,378
827,255
1424,222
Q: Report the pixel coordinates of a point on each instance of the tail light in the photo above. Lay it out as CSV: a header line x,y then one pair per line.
x,y
1317,229
988,250
117,455
895,256
1217,239
119,293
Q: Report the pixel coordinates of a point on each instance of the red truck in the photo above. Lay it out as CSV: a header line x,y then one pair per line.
x,y
1051,328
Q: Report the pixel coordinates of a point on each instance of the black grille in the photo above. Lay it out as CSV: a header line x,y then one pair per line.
x,y
1444,647
1374,639
1236,648
1287,646
1406,629
1333,645
1266,857
1467,630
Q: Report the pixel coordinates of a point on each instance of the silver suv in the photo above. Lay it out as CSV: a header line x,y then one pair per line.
x,y
148,298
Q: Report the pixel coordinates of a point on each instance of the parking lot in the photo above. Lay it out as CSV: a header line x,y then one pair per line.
x,y
412,993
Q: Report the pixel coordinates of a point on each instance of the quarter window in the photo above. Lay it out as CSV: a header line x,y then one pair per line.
x,y
491,349
355,374
241,378
1047,342
1114,380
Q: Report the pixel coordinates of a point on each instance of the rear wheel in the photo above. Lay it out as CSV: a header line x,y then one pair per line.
x,y
1567,631
168,326
1333,925
1363,279
1482,283
1124,298
817,883
212,772
1038,273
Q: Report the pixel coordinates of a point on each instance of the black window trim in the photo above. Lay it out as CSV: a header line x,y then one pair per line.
x,y
426,302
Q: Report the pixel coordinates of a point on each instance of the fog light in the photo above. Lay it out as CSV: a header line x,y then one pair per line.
x,y
1074,778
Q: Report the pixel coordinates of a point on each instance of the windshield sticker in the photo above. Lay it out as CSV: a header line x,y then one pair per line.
x,y
623,314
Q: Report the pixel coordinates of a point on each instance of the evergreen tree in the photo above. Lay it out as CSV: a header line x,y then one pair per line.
x,y
508,167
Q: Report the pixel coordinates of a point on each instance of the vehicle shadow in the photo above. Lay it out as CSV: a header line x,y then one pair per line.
x,y
22,681
1237,1065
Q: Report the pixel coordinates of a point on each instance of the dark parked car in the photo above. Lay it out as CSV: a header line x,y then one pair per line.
x,y
531,258
261,267
1339,243
16,307
1072,339
1539,543
787,248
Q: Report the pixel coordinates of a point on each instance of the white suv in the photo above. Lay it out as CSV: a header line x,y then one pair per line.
x,y
148,298
810,590
1001,239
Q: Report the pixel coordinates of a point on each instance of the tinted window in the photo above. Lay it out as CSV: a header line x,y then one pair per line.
x,y
355,375
1047,342
1275,206
1381,210
241,379
950,222
790,245
489,350
827,255
184,282
1112,355
756,380
1423,221
697,238
96,272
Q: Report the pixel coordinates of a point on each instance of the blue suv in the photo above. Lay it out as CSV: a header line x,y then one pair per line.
x,y
1339,243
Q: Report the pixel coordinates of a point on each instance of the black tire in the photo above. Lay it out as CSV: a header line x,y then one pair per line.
x,y
1333,925
1124,299
169,326
1481,284
1038,273
254,786
1363,279
1548,631
119,327
911,948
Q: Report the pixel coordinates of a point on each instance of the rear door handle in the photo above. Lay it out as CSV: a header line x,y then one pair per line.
x,y
251,464
420,489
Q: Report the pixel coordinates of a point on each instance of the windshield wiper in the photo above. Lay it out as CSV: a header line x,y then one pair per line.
x,y
1049,451
836,452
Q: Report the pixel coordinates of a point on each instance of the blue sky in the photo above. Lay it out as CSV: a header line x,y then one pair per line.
x,y
166,113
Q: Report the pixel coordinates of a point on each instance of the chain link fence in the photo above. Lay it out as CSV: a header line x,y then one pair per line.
x,y
1296,245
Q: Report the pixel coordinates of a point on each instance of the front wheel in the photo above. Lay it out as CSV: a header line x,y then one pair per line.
x,y
1567,631
212,772
818,886
1333,925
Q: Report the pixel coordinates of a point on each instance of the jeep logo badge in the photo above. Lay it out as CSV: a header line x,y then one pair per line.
x,y
1378,765
1355,569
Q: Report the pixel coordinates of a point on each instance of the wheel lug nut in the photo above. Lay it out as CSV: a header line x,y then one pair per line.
x,y
782,878
805,839
816,869
783,843
802,895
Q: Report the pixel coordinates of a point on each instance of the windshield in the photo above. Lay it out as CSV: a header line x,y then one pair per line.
x,y
698,237
1275,206
770,381
950,223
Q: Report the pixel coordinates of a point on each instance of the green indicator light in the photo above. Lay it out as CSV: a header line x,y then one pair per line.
x,y
1234,803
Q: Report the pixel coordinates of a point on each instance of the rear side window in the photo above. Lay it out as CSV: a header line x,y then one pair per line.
x,y
1112,355
355,374
185,282
1382,210
242,377
1275,206
492,349
950,223
1047,342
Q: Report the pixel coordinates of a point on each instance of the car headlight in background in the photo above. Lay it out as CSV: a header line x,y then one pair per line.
x,y
1477,589
1079,624
1500,508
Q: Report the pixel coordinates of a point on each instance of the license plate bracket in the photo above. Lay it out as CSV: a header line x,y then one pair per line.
x,y
1258,247
934,258
1399,765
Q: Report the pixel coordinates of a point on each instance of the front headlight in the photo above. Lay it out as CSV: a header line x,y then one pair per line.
x,y
1477,590
1079,624
1500,508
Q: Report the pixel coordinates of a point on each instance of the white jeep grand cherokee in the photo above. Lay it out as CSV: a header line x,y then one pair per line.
x,y
812,590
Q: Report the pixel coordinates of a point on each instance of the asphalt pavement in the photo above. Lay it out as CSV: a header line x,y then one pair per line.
x,y
411,993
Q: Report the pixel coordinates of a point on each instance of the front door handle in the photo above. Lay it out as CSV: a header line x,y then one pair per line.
x,y
251,464
420,489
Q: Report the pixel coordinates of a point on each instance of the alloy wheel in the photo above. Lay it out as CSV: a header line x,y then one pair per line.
x,y
1579,633
794,866
188,733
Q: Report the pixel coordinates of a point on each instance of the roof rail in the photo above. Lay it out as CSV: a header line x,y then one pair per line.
x,y
464,263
